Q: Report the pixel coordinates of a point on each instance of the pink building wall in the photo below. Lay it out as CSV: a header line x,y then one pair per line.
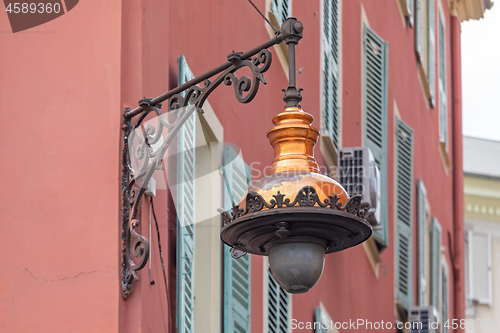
x,y
60,121
64,86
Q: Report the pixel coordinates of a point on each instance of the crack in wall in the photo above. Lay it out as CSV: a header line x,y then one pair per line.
x,y
62,278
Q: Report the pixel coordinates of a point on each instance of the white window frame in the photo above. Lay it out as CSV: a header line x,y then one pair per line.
x,y
470,265
442,87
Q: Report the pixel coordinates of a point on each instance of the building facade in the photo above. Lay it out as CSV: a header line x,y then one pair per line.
x,y
378,74
482,216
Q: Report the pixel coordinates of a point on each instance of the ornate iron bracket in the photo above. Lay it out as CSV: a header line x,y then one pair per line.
x,y
182,106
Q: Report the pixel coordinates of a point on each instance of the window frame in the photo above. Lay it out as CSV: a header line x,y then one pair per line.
x,y
470,266
442,81
407,8
281,49
436,243
445,300
423,230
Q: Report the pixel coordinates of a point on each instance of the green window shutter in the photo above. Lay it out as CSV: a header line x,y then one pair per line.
x,y
444,315
374,89
419,31
185,215
236,271
422,233
375,60
435,261
404,200
331,69
281,10
278,306
322,321
443,121
431,48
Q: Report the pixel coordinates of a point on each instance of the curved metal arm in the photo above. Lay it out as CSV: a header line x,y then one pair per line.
x,y
183,106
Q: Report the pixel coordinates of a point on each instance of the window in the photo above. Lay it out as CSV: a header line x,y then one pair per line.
x,y
422,240
281,10
404,200
185,215
435,261
431,49
323,321
419,31
236,271
277,11
444,300
375,114
479,274
278,306
330,94
407,7
443,104
199,192
425,45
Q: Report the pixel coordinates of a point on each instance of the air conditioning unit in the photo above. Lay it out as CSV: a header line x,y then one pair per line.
x,y
423,319
358,173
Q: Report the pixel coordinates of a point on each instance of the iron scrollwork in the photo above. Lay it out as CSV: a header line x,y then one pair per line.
x,y
152,146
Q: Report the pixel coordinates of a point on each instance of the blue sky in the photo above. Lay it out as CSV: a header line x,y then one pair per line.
x,y
481,75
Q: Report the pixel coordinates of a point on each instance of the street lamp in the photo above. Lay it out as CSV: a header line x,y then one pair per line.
x,y
295,215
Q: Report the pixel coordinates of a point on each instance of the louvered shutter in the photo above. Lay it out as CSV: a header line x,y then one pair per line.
x,y
281,10
419,31
331,69
480,275
236,271
374,92
404,200
278,306
431,48
435,261
443,121
375,57
444,315
322,321
185,215
422,234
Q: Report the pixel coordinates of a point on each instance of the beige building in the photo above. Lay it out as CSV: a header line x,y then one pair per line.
x,y
482,234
